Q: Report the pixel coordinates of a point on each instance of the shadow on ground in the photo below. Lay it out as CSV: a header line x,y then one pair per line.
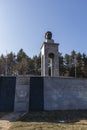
x,y
66,116
69,116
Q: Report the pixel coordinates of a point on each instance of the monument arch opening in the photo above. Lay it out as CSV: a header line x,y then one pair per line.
x,y
50,64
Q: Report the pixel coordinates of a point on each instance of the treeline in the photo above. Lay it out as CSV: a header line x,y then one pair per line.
x,y
73,65
19,64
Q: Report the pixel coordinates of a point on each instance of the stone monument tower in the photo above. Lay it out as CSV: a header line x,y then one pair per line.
x,y
49,57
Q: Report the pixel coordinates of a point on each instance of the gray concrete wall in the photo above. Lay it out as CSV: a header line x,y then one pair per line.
x,y
65,93
22,93
58,93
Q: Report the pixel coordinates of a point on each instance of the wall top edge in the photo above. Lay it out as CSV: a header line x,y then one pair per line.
x,y
61,77
30,76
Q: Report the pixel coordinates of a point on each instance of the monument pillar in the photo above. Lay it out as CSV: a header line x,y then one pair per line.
x,y
49,57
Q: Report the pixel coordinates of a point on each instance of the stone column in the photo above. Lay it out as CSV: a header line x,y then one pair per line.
x,y
49,49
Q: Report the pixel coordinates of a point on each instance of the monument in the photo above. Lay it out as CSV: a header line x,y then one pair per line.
x,y
46,92
49,57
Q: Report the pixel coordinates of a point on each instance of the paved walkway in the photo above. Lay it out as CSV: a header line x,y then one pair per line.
x,y
5,121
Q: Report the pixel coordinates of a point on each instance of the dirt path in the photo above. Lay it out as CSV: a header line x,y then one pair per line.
x,y
5,121
4,125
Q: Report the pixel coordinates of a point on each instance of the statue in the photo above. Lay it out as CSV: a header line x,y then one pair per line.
x,y
48,35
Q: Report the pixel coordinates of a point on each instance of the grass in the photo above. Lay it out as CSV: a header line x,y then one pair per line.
x,y
52,120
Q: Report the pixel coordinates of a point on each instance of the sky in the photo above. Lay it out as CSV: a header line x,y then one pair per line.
x,y
23,24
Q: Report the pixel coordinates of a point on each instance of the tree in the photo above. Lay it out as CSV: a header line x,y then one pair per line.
x,y
73,64
22,66
37,64
79,65
61,65
21,54
11,62
2,65
84,65
22,62
67,64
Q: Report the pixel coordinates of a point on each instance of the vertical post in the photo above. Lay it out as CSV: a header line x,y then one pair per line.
x,y
6,65
75,66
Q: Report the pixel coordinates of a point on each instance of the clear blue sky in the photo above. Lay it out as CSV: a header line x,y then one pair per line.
x,y
24,22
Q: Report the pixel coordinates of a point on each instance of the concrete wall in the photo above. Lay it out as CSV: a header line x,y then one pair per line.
x,y
65,93
42,93
22,93
7,93
36,96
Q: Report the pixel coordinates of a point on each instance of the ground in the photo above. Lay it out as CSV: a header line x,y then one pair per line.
x,y
6,119
45,120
